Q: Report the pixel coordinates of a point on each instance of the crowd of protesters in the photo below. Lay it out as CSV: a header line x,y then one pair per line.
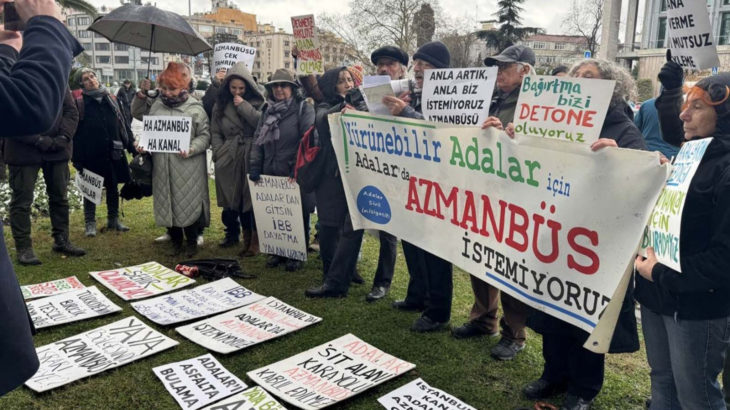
x,y
255,128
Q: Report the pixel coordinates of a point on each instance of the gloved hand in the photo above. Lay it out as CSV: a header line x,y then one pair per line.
x,y
44,143
60,143
254,176
671,75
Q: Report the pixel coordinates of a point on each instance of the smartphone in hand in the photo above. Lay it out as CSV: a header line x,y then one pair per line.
x,y
11,19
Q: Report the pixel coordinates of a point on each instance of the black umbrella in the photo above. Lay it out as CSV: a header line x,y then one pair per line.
x,y
150,28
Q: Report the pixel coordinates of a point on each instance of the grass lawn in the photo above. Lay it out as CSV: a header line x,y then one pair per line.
x,y
462,368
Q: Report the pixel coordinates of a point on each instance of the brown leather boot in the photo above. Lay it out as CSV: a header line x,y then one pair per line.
x,y
253,249
247,233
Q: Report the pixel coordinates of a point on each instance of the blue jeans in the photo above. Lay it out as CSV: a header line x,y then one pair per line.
x,y
685,357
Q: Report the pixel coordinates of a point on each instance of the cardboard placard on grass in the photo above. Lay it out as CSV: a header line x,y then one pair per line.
x,y
353,366
51,288
95,351
420,395
204,300
162,133
70,307
141,281
254,398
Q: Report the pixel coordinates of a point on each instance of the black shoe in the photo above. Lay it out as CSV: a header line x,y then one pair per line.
x,y
273,261
573,402
424,324
356,278
191,249
293,265
27,257
506,349
470,329
407,306
67,248
114,224
542,389
324,291
228,242
177,249
377,293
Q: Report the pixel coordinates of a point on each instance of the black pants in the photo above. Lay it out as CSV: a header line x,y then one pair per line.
x,y
22,184
234,221
430,284
112,202
386,260
339,247
191,234
567,362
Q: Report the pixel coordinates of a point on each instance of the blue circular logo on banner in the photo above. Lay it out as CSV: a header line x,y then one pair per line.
x,y
373,205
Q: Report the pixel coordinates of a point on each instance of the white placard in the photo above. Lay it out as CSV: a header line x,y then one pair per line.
x,y
54,287
458,96
141,281
662,231
258,322
690,35
95,351
562,108
90,185
197,382
70,307
309,59
419,395
277,205
254,398
204,300
353,366
228,54
373,96
162,133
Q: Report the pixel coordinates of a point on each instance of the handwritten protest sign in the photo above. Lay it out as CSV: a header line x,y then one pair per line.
x,y
689,34
51,288
70,307
254,398
95,351
228,54
161,133
309,59
562,108
277,205
90,185
197,382
419,395
258,322
459,96
662,231
329,373
141,281
550,223
205,300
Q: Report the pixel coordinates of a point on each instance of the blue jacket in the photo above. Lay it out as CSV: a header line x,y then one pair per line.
x,y
647,120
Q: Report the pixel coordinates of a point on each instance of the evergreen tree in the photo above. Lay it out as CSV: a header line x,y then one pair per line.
x,y
509,31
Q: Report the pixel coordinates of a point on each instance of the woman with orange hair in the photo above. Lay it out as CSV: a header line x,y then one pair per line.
x,y
180,181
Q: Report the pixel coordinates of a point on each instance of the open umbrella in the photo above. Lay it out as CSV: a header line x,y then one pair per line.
x,y
150,28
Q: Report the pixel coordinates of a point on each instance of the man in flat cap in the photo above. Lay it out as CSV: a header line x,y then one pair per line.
x,y
391,61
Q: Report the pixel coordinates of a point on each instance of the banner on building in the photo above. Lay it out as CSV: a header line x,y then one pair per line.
x,y
162,133
90,185
51,288
70,307
141,281
353,366
255,323
95,351
549,222
562,108
254,398
309,59
197,382
662,231
458,96
277,205
419,395
204,300
228,54
690,36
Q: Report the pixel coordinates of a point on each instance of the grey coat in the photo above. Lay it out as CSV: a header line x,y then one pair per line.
x,y
231,131
180,185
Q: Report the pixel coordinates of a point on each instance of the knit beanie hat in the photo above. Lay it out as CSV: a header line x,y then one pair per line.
x,y
434,53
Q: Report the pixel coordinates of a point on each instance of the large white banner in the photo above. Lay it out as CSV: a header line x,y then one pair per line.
x,y
90,185
255,323
458,96
562,108
254,398
51,288
95,351
228,54
690,35
420,395
204,300
329,373
70,307
197,382
277,205
549,222
162,133
141,281
662,231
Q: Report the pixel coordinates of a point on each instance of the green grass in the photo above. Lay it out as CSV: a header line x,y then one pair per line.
x,y
462,368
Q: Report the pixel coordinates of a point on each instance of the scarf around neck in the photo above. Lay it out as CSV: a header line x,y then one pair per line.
x,y
97,94
270,127
173,102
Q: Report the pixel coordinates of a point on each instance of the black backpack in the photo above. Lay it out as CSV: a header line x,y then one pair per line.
x,y
140,184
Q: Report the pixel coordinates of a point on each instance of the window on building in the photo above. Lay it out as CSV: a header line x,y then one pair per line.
x,y
82,21
538,45
725,27
560,46
87,46
287,64
236,31
84,34
286,43
205,29
145,60
663,7
97,35
268,43
121,59
120,47
101,47
220,30
286,53
70,21
103,59
661,33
